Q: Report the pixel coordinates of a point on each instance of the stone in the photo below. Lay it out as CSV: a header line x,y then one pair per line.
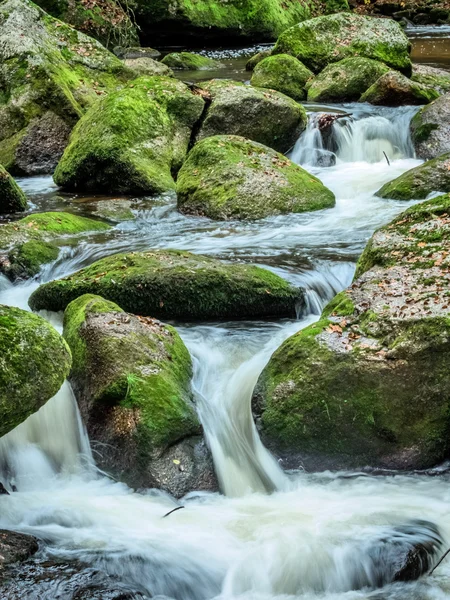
x,y
145,65
439,79
284,74
430,129
12,198
394,89
15,547
188,61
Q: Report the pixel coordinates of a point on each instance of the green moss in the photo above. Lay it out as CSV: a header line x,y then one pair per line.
x,y
12,199
27,259
230,177
283,73
8,150
34,361
394,89
175,285
340,306
256,59
188,61
422,133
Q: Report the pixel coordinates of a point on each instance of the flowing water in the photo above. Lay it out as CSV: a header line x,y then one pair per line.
x,y
271,534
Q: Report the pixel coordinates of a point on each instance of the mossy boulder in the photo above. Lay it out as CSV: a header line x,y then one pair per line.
x,y
171,284
132,380
346,80
261,115
46,67
34,362
229,177
368,385
439,79
188,61
133,140
145,65
418,183
12,199
28,244
394,89
328,39
256,59
282,73
430,129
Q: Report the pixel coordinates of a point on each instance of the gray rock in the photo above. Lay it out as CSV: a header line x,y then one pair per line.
x,y
430,129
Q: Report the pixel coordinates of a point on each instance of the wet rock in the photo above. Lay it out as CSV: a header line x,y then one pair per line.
x,y
15,547
171,284
284,74
34,362
418,183
368,384
145,65
133,140
188,61
12,199
115,211
135,52
430,129
394,89
439,79
346,80
324,40
131,376
229,177
3,490
256,59
261,115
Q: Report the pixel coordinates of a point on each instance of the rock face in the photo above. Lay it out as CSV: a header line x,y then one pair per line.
x,y
346,80
261,115
131,376
15,547
324,40
34,362
416,184
394,89
439,79
369,383
28,244
132,140
284,74
12,199
188,61
49,73
430,129
171,284
229,177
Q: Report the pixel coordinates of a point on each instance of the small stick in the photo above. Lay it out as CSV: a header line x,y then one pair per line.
x,y
442,560
386,157
172,511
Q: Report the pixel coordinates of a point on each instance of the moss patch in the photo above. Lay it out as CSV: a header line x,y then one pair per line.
x,y
283,73
12,199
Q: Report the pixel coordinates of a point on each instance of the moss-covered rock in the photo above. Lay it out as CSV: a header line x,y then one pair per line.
x,y
282,73
28,244
229,177
430,129
256,59
12,199
368,385
171,284
131,376
188,61
145,65
132,140
394,89
47,67
324,40
418,183
345,80
34,362
261,115
439,79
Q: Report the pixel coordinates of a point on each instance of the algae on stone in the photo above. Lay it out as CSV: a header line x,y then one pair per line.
x,y
282,73
394,89
12,198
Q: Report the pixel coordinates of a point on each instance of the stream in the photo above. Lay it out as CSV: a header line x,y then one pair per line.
x,y
311,536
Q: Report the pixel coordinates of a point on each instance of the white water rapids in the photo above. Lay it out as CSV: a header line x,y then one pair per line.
x,y
311,537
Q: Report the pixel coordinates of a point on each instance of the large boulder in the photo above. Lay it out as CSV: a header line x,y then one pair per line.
x,y
430,129
15,547
34,362
172,284
369,385
49,75
12,199
133,140
229,177
394,89
131,377
324,40
346,80
282,73
188,61
418,183
439,79
261,115
28,244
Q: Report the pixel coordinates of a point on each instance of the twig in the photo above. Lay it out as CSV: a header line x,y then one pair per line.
x,y
172,511
386,157
442,560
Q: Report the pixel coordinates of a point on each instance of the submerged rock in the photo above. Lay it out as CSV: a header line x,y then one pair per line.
x,y
430,129
346,80
284,74
12,199
131,376
133,140
439,79
34,362
368,385
188,61
258,114
172,284
394,89
229,177
324,40
418,183
15,547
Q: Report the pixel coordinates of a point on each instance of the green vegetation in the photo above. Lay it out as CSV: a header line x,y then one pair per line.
x,y
12,199
283,73
394,89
